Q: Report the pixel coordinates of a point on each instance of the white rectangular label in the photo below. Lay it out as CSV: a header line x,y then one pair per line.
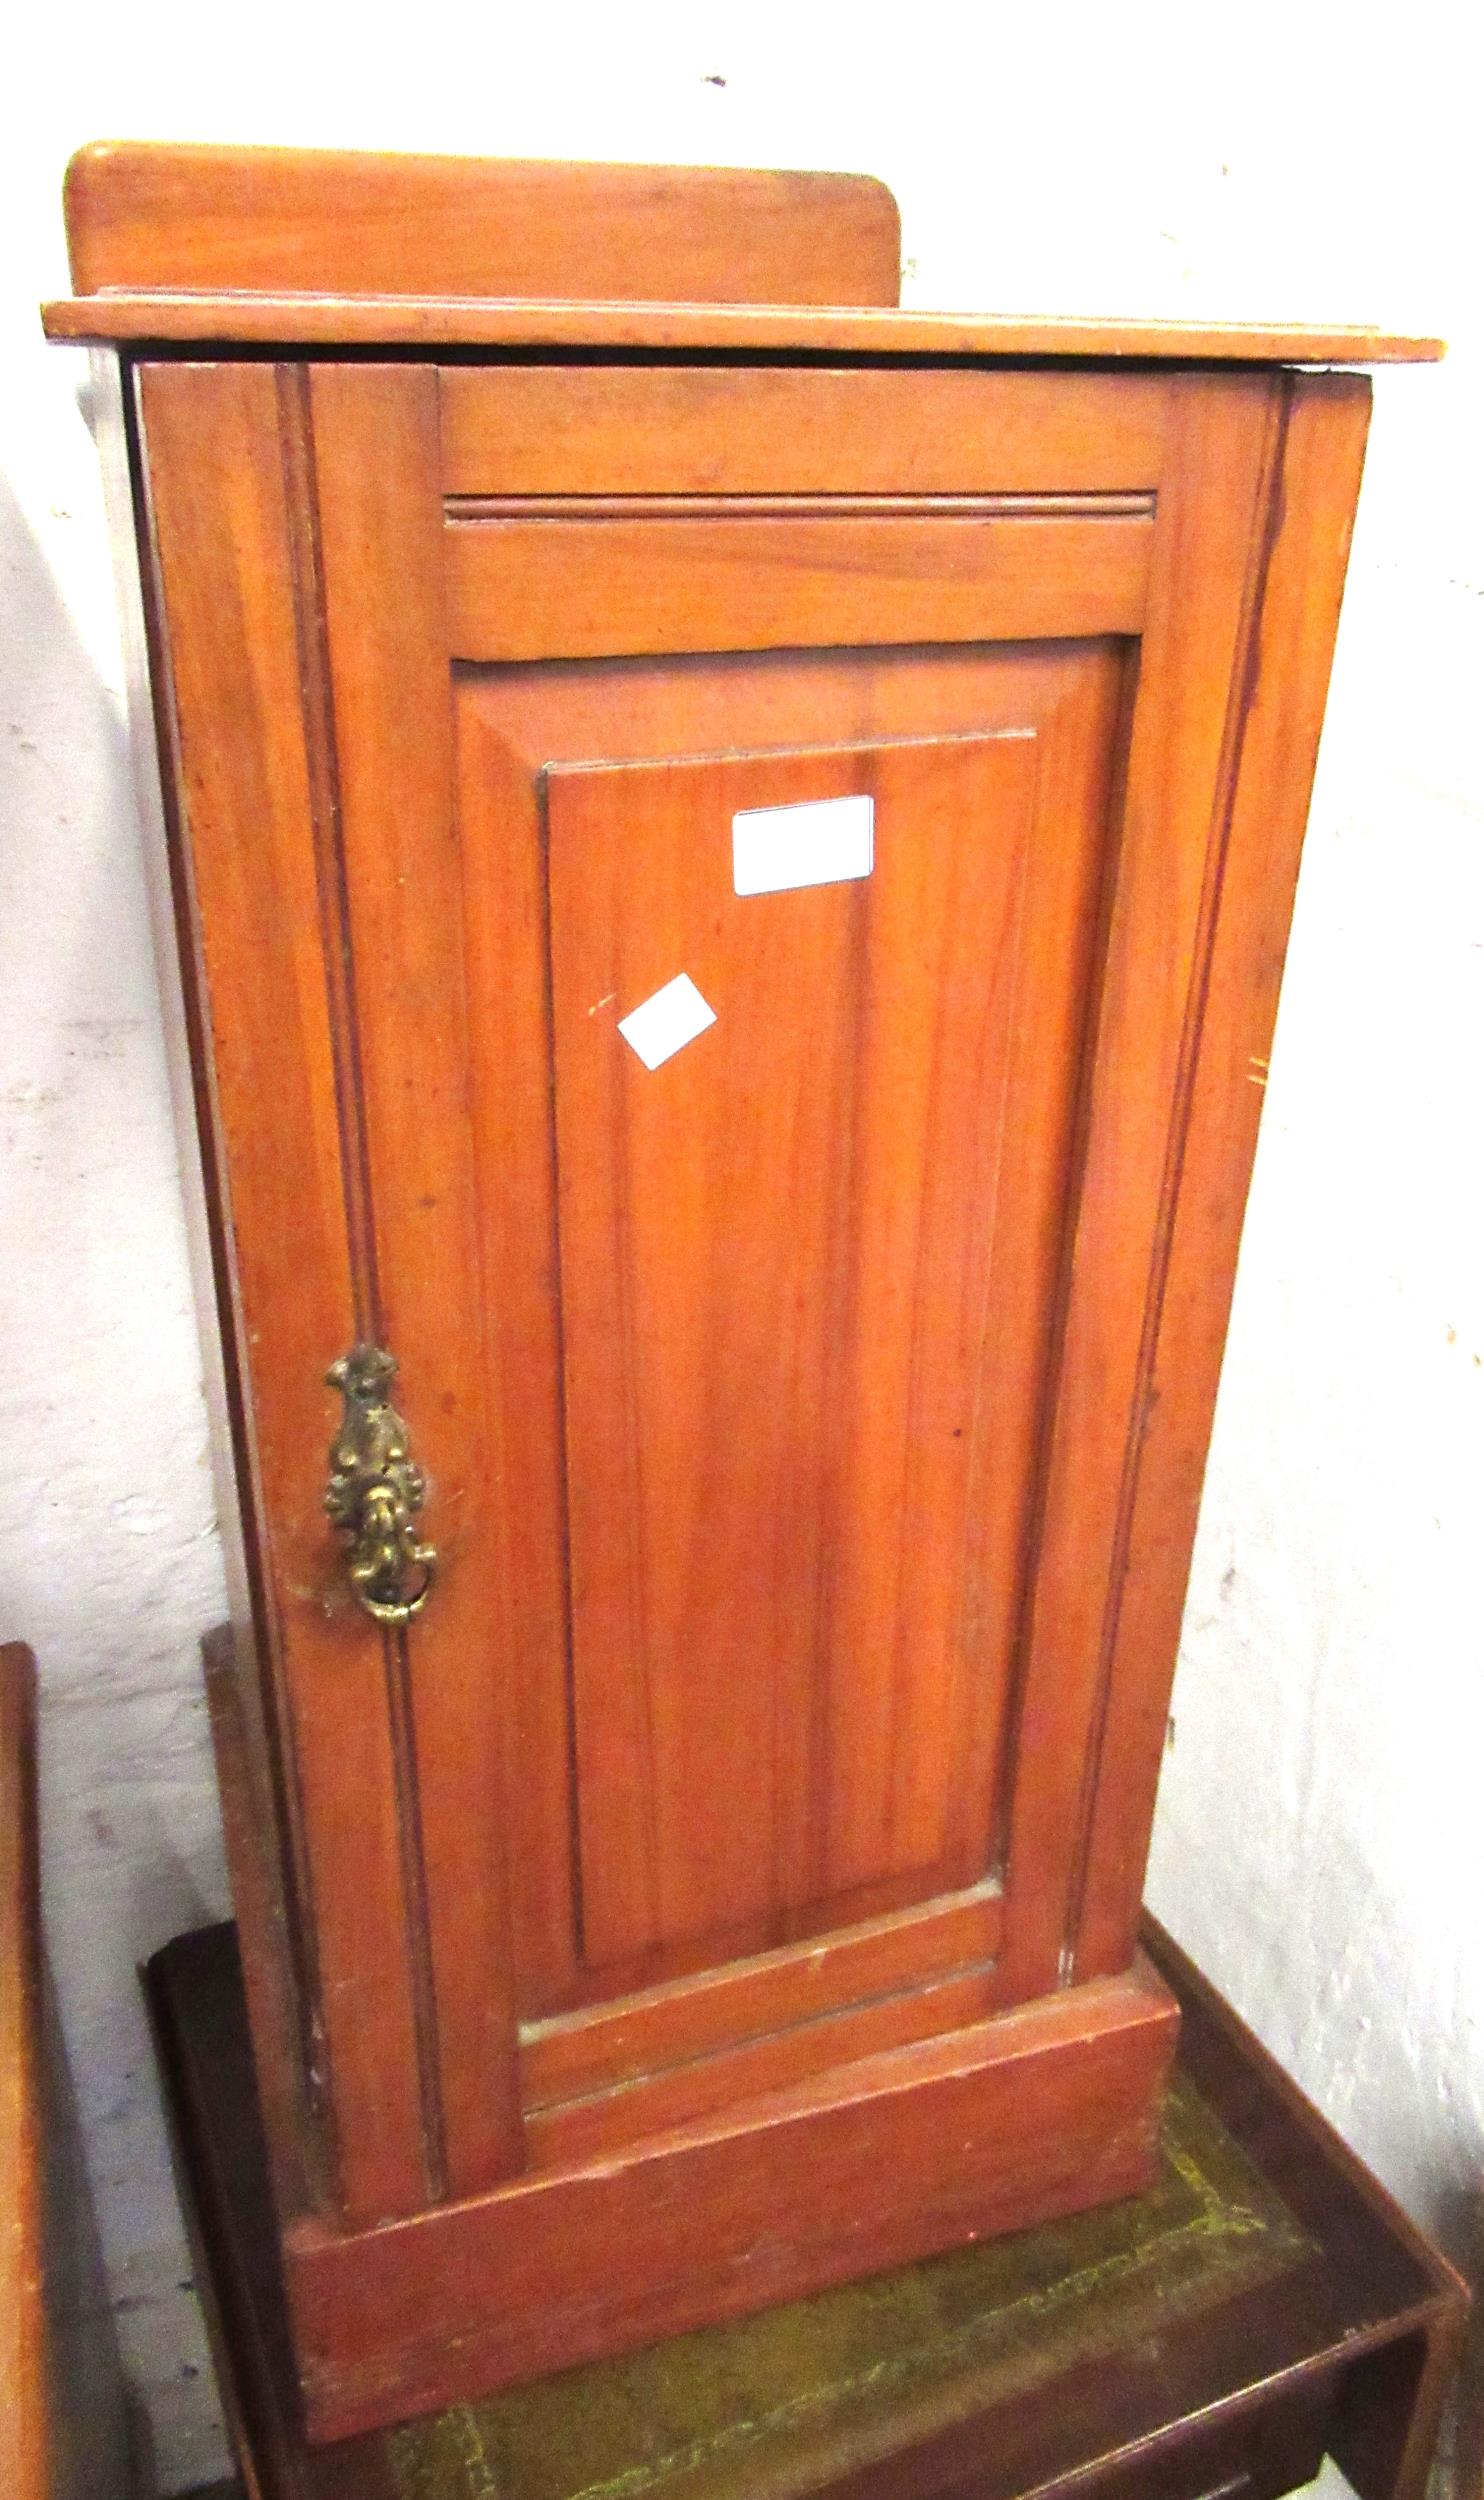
x,y
816,842
666,1021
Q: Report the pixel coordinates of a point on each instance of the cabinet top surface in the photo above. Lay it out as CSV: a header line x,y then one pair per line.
x,y
228,248
435,322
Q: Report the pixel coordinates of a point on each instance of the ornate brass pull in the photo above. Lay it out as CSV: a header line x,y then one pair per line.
x,y
376,1490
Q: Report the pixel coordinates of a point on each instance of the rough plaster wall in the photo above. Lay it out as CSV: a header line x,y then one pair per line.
x,y
1316,1837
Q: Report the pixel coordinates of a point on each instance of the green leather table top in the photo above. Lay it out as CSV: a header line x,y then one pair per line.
x,y
1214,2333
786,2400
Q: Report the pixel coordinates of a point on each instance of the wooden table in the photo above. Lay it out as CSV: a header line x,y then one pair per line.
x,y
63,2430
1264,2303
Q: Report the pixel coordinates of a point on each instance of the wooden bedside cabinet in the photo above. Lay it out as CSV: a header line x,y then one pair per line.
x,y
731,863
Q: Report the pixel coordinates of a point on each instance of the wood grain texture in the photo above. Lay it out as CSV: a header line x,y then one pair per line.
x,y
271,1866
685,2021
1253,2370
510,724
345,222
1412,2306
225,320
715,430
270,1980
991,2129
1282,679
694,1893
773,1608
376,488
25,2401
778,1259
570,2132
231,535
1207,548
579,589
1250,2373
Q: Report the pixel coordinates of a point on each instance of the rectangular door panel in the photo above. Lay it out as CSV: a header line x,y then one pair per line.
x,y
806,1275
775,1261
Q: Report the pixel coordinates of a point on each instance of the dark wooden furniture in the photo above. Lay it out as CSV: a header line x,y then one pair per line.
x,y
704,1762
1263,2303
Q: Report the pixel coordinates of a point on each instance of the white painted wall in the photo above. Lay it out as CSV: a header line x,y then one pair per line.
x,y
1317,1842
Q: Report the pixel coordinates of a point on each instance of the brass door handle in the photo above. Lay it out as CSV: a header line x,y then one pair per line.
x,y
376,1490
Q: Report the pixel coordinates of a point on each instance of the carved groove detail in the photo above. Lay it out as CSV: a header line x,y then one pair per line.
x,y
297,440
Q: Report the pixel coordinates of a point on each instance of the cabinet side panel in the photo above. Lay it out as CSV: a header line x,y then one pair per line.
x,y
273,1958
1207,547
1285,677
253,1837
228,549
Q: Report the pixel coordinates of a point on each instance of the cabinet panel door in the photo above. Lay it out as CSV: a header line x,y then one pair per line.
x,y
771,1319
777,1250
781,1404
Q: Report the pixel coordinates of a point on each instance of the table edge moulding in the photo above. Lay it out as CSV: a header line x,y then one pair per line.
x,y
436,575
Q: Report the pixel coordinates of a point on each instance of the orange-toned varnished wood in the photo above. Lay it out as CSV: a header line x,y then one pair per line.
x,y
1251,2345
429,323
1278,705
779,1256
375,445
331,222
24,2397
619,430
511,722
63,2433
583,589
780,1407
989,2128
729,1882
254,1852
263,1833
566,2132
1214,500
234,544
274,1978
685,2022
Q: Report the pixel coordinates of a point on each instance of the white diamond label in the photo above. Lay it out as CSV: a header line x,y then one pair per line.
x,y
666,1021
